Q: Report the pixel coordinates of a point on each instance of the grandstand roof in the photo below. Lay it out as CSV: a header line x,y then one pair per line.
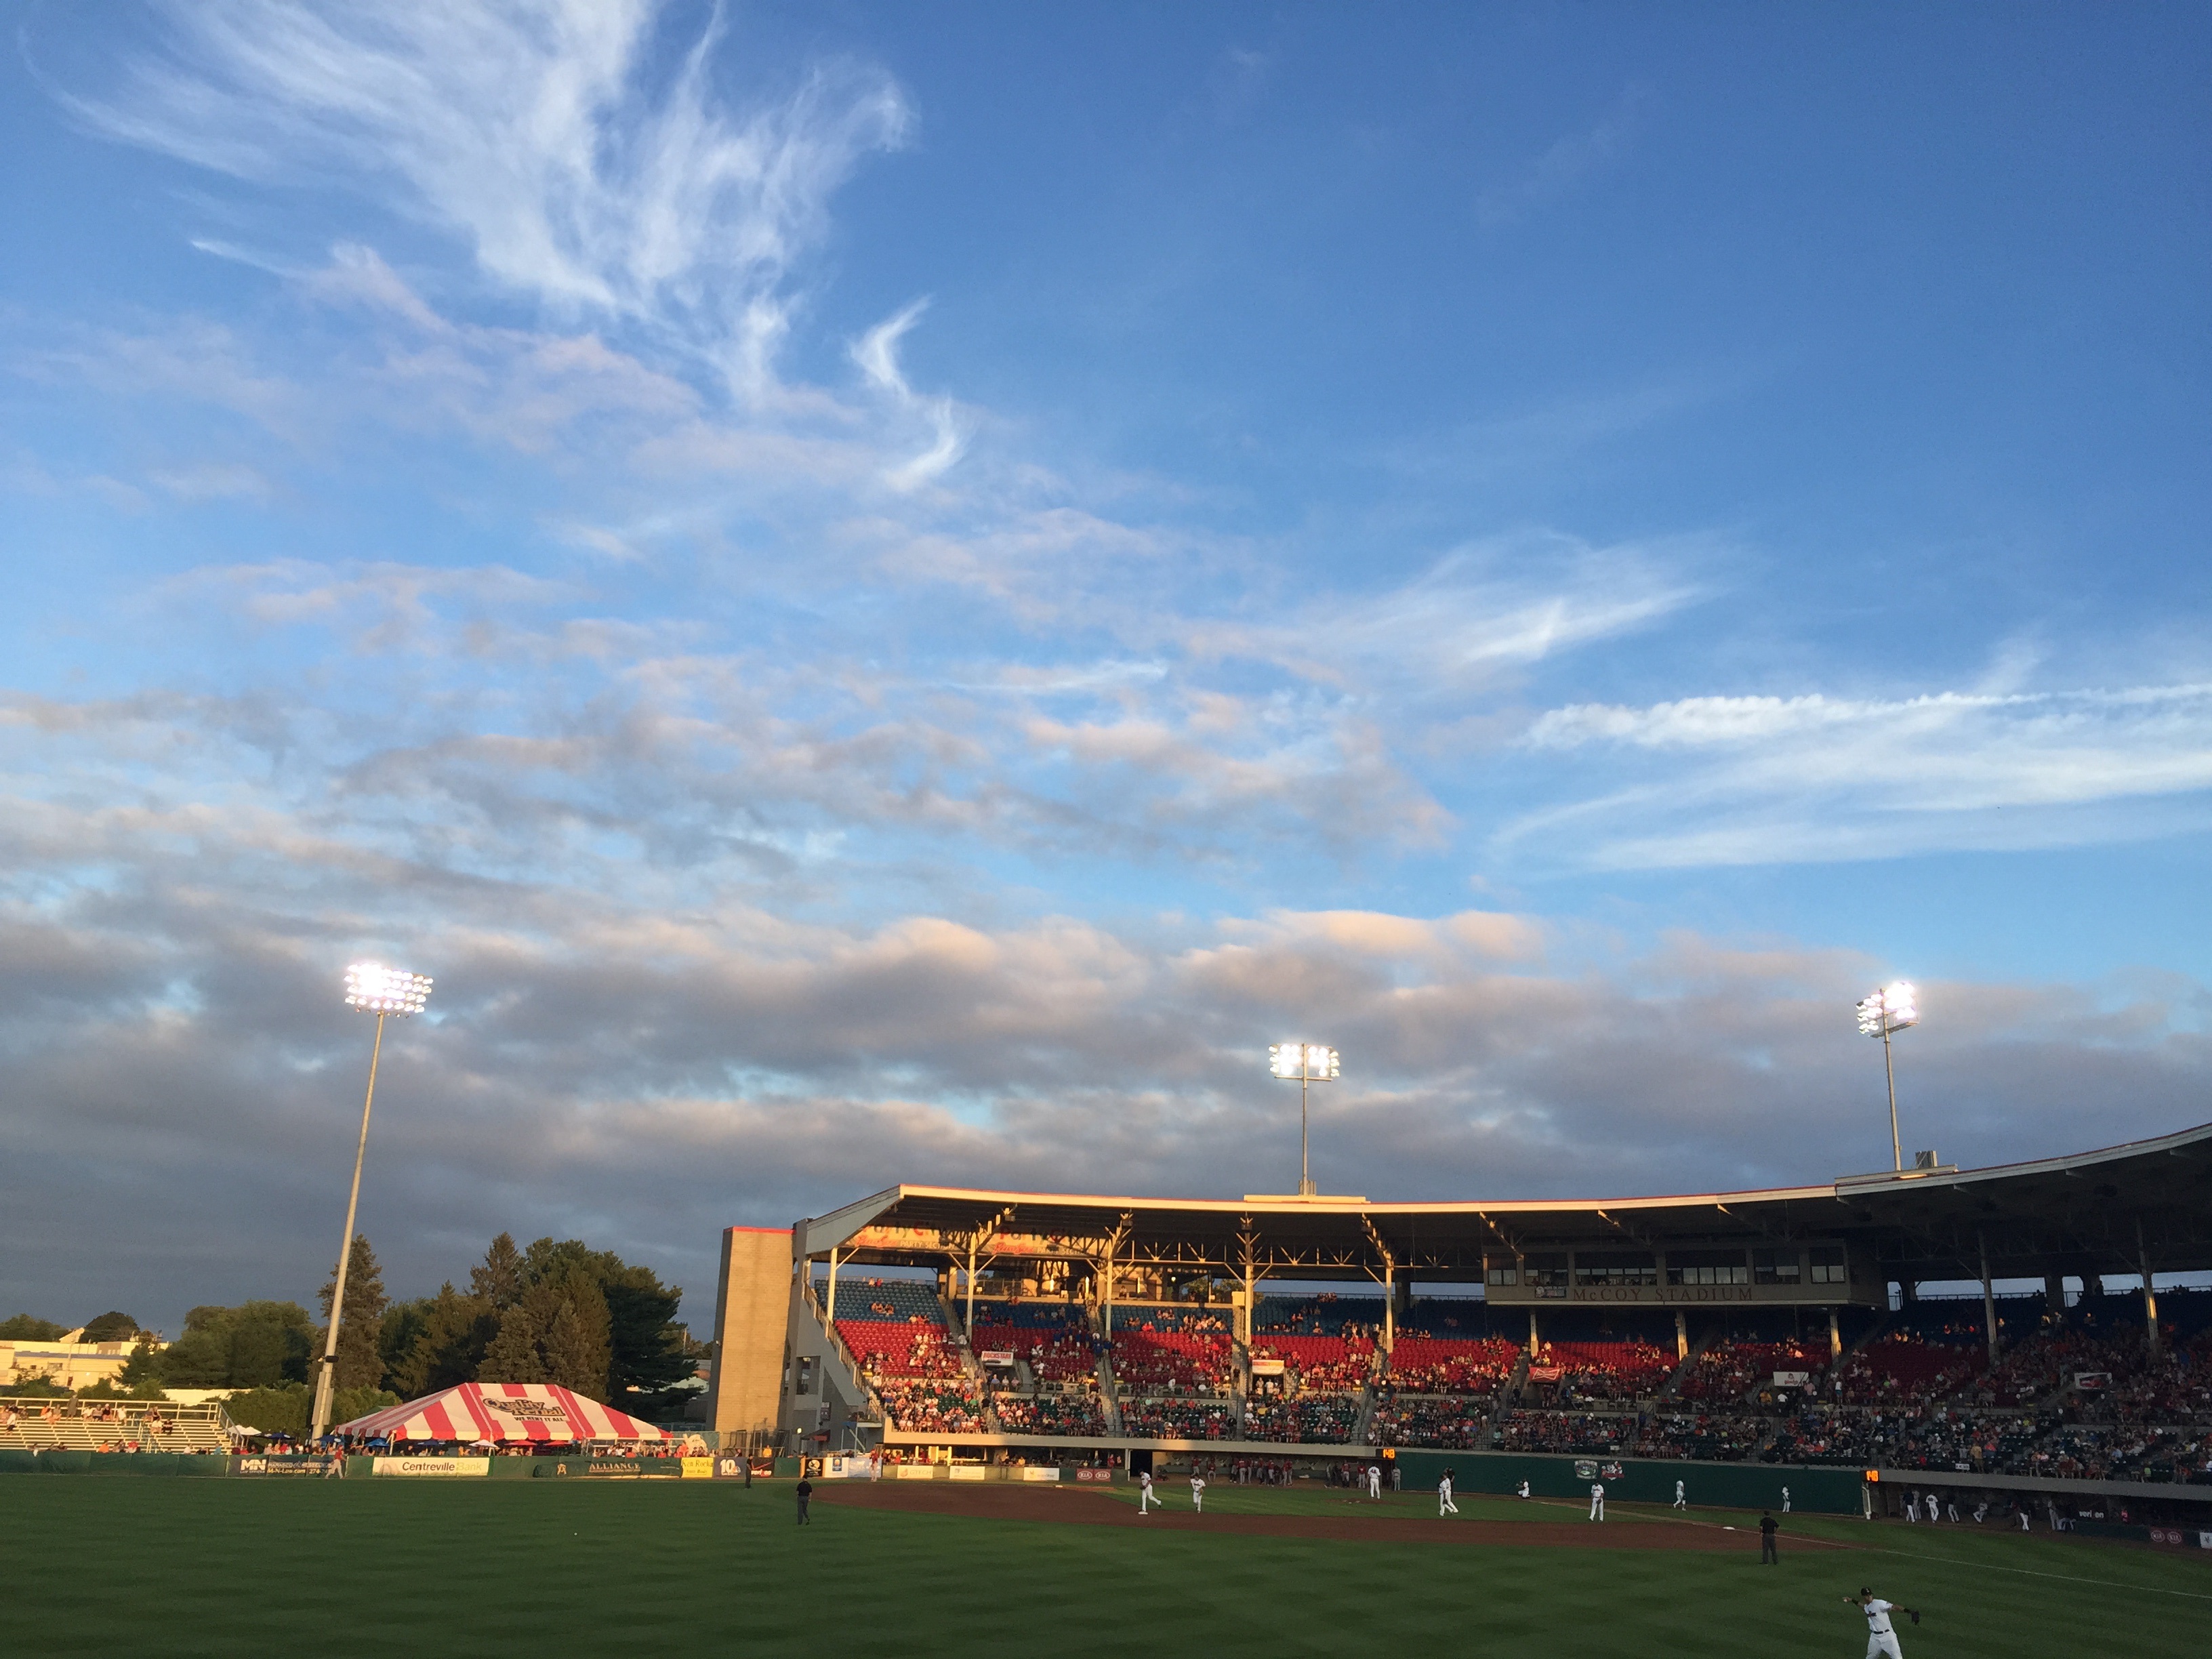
x,y
2095,1211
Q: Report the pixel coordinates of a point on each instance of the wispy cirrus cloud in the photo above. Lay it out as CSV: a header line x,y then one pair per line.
x,y
531,132
1760,779
1565,165
877,354
1479,615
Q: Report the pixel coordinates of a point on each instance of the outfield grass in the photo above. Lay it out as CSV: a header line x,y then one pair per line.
x,y
181,1569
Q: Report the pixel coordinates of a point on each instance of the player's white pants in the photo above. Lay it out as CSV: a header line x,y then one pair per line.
x,y
1886,1643
1444,1505
1197,1503
1682,1502
1597,1508
1145,1499
1952,1511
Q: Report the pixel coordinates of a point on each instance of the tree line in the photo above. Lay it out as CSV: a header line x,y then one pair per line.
x,y
557,1311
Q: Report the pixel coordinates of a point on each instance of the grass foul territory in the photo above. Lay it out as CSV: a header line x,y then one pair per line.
x,y
392,1568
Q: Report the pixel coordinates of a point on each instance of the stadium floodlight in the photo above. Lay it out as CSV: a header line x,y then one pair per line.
x,y
371,988
1893,1008
1303,1064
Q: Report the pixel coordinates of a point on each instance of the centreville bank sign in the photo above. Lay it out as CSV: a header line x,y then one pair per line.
x,y
434,1468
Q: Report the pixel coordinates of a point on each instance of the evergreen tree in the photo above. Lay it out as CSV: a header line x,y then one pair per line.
x,y
401,1323
360,1323
646,1348
22,1327
141,1372
576,1341
501,1280
557,1333
513,1356
110,1328
449,1347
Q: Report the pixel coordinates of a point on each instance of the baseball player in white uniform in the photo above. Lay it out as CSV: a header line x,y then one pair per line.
x,y
1785,1500
1197,1494
1912,1506
1597,1500
1882,1635
1681,1498
1375,1482
1145,1498
1445,1504
1523,1492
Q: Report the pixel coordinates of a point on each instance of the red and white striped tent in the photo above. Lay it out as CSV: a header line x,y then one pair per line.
x,y
503,1412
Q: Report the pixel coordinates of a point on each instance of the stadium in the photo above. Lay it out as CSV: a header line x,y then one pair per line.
x,y
1741,1341
1268,1425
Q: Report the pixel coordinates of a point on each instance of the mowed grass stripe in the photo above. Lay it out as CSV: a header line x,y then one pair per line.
x,y
224,1568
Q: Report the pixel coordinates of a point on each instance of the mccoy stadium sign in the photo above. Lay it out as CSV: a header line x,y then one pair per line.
x,y
1659,1296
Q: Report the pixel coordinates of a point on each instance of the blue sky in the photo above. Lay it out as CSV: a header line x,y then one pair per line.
x,y
892,594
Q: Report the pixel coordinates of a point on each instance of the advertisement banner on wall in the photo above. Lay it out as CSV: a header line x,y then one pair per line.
x,y
438,1468
842,1468
1033,1472
966,1471
1792,1379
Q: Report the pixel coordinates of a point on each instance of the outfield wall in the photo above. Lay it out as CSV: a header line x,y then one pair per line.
x,y
1641,1480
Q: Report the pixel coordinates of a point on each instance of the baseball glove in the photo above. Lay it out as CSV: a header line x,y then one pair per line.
x,y
1916,1618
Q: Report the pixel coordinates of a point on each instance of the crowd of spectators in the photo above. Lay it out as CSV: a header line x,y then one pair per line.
x,y
914,1347
1076,1412
1422,1365
1729,1370
1722,1437
1180,1420
1909,1368
1321,1362
936,1405
1326,1314
1316,1418
2124,1452
1566,1432
1155,1363
1595,1371
1157,1317
1448,1422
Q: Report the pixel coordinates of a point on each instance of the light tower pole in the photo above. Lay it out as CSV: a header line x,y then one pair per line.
x,y
1306,1064
1893,1008
372,989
